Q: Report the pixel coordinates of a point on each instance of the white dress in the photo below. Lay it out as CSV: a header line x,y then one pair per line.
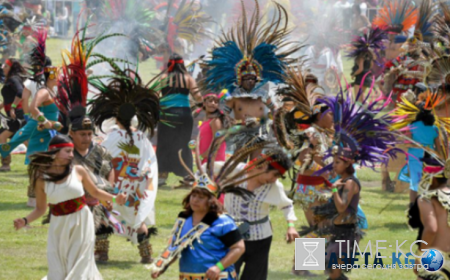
x,y
71,238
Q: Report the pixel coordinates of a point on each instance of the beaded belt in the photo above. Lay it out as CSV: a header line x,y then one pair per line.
x,y
67,207
201,276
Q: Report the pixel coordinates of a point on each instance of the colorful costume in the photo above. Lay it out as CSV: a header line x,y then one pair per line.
x,y
38,138
134,161
422,135
433,168
366,47
250,50
202,246
353,144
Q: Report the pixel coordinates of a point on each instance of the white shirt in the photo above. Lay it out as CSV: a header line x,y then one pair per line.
x,y
259,206
32,86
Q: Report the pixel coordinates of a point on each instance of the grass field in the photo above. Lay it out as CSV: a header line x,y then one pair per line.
x,y
24,252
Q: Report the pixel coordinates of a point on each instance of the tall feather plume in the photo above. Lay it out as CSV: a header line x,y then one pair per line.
x,y
360,126
370,41
264,43
73,83
37,55
441,27
425,21
304,96
396,13
120,91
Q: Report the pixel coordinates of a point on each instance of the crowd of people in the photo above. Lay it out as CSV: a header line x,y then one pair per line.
x,y
271,105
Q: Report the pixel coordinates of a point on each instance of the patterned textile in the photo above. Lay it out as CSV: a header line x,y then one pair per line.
x,y
68,207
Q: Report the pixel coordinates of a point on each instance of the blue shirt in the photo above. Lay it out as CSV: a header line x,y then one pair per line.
x,y
423,134
211,249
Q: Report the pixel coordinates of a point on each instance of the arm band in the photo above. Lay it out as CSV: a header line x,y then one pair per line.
x,y
220,266
334,190
14,106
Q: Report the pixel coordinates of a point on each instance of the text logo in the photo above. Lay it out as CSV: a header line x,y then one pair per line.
x,y
310,254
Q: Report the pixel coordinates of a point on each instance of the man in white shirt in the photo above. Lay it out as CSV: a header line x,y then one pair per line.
x,y
253,214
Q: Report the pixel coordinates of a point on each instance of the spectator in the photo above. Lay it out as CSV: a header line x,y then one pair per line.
x,y
359,22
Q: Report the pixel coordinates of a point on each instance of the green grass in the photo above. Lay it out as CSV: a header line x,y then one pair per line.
x,y
24,252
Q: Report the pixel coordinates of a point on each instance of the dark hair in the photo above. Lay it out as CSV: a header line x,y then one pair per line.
x,y
48,62
42,161
179,68
16,70
441,181
426,117
225,120
213,204
350,170
281,158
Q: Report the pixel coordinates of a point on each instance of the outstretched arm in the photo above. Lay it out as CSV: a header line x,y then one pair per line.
x,y
39,211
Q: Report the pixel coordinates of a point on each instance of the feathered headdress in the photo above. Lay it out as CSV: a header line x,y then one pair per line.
x,y
407,111
305,98
250,47
188,23
441,27
396,16
440,71
226,179
73,83
124,98
361,133
38,57
371,41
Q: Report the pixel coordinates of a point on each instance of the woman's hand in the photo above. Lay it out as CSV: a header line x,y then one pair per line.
x,y
213,273
12,113
19,223
121,199
291,234
156,274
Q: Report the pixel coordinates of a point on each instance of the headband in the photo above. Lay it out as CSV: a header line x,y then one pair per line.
x,y
173,62
272,163
210,95
61,145
9,63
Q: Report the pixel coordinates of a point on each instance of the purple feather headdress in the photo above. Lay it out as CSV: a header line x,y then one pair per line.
x,y
371,41
360,129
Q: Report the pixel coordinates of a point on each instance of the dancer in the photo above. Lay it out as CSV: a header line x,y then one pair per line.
x,y
244,61
339,217
70,248
215,121
39,130
12,94
97,162
209,243
175,128
134,161
430,212
43,124
422,123
365,51
253,214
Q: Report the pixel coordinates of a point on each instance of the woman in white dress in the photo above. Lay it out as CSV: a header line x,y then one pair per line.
x,y
71,236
